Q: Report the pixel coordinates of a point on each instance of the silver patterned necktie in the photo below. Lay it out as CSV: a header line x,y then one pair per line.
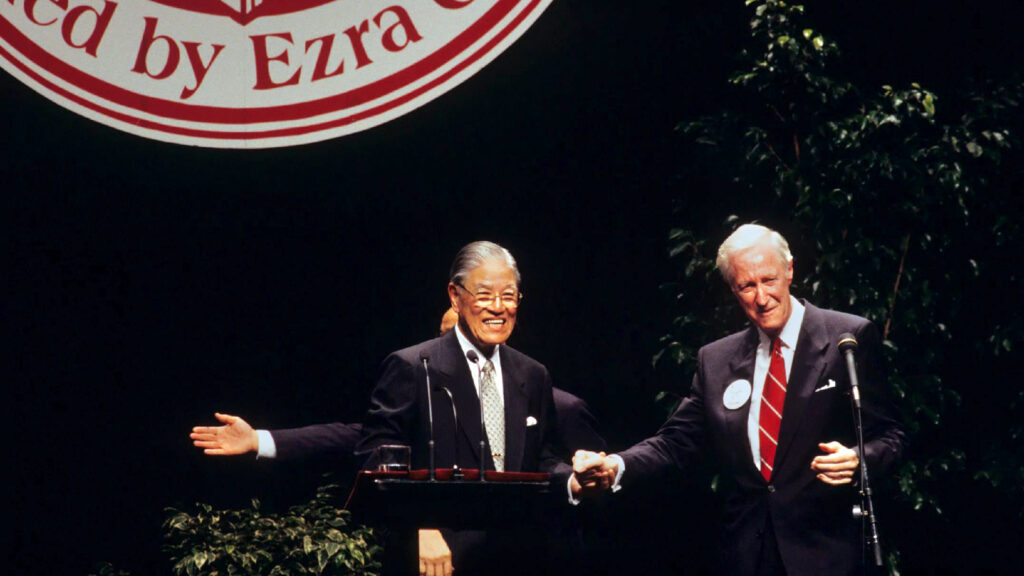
x,y
494,415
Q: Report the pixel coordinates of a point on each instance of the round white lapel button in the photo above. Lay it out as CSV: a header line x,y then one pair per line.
x,y
737,394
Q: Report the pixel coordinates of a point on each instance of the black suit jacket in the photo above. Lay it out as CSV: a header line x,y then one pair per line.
x,y
398,410
576,428
398,414
813,526
334,440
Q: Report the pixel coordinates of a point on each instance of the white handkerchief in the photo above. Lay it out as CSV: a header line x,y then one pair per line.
x,y
831,384
531,421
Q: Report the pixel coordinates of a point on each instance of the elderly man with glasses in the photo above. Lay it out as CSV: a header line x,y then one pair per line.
x,y
471,361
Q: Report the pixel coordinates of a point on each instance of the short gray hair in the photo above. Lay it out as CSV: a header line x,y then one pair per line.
x,y
474,254
746,236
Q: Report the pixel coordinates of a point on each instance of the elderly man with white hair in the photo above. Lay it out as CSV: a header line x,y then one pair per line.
x,y
771,405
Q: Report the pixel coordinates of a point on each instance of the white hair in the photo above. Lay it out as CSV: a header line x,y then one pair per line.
x,y
474,254
747,236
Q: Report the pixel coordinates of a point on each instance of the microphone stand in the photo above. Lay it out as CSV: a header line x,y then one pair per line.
x,y
483,429
457,473
866,509
430,416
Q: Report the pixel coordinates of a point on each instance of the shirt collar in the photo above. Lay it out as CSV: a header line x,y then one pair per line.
x,y
791,331
466,346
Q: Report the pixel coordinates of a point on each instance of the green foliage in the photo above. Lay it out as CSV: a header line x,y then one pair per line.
x,y
311,538
898,209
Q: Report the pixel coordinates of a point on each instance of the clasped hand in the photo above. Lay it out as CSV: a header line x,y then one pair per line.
x,y
593,472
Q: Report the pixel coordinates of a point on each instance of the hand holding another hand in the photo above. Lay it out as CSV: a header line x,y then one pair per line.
x,y
593,472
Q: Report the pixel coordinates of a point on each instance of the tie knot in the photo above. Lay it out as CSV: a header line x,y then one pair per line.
x,y
776,346
487,367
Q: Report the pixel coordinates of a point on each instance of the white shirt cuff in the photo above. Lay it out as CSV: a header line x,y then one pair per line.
x,y
622,468
266,448
568,488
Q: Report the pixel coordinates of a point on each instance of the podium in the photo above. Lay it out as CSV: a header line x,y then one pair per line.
x,y
403,502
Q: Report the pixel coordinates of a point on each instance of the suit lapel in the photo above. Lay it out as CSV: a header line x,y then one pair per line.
x,y
455,375
741,367
808,366
516,407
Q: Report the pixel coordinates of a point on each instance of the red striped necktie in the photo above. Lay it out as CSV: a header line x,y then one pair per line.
x,y
773,398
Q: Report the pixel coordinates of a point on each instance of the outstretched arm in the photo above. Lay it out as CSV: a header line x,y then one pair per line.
x,y
235,437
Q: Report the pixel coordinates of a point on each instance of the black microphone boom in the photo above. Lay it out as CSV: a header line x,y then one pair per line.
x,y
457,472
472,356
430,417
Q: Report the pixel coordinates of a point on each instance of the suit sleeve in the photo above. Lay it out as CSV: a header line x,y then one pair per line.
x,y
577,426
393,411
550,461
884,438
334,440
679,440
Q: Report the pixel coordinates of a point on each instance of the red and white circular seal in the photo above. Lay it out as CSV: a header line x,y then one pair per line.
x,y
252,73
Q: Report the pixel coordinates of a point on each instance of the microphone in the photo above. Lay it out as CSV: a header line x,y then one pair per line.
x,y
430,416
456,471
472,356
847,346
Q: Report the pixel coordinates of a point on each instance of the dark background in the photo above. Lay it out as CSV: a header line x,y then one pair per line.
x,y
148,285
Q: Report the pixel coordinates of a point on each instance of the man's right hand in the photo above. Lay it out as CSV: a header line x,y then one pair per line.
x,y
435,557
235,437
592,472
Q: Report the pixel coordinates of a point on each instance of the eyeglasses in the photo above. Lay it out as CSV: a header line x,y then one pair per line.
x,y
484,299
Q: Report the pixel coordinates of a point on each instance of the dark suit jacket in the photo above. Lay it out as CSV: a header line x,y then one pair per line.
x,y
815,531
398,415
576,428
335,440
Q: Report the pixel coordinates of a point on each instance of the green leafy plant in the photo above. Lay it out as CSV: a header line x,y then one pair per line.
x,y
310,538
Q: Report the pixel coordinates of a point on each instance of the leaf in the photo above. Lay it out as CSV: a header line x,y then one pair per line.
x,y
929,104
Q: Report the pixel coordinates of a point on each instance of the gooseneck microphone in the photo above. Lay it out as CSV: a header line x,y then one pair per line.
x,y
847,346
456,471
430,417
472,356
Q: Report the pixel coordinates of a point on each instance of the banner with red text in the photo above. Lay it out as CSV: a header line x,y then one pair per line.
x,y
252,73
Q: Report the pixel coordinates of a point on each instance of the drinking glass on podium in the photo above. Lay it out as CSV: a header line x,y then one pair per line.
x,y
393,458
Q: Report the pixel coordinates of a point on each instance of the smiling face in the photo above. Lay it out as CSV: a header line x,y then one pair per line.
x,y
760,281
486,302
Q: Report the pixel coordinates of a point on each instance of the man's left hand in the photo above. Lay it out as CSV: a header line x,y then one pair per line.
x,y
837,465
